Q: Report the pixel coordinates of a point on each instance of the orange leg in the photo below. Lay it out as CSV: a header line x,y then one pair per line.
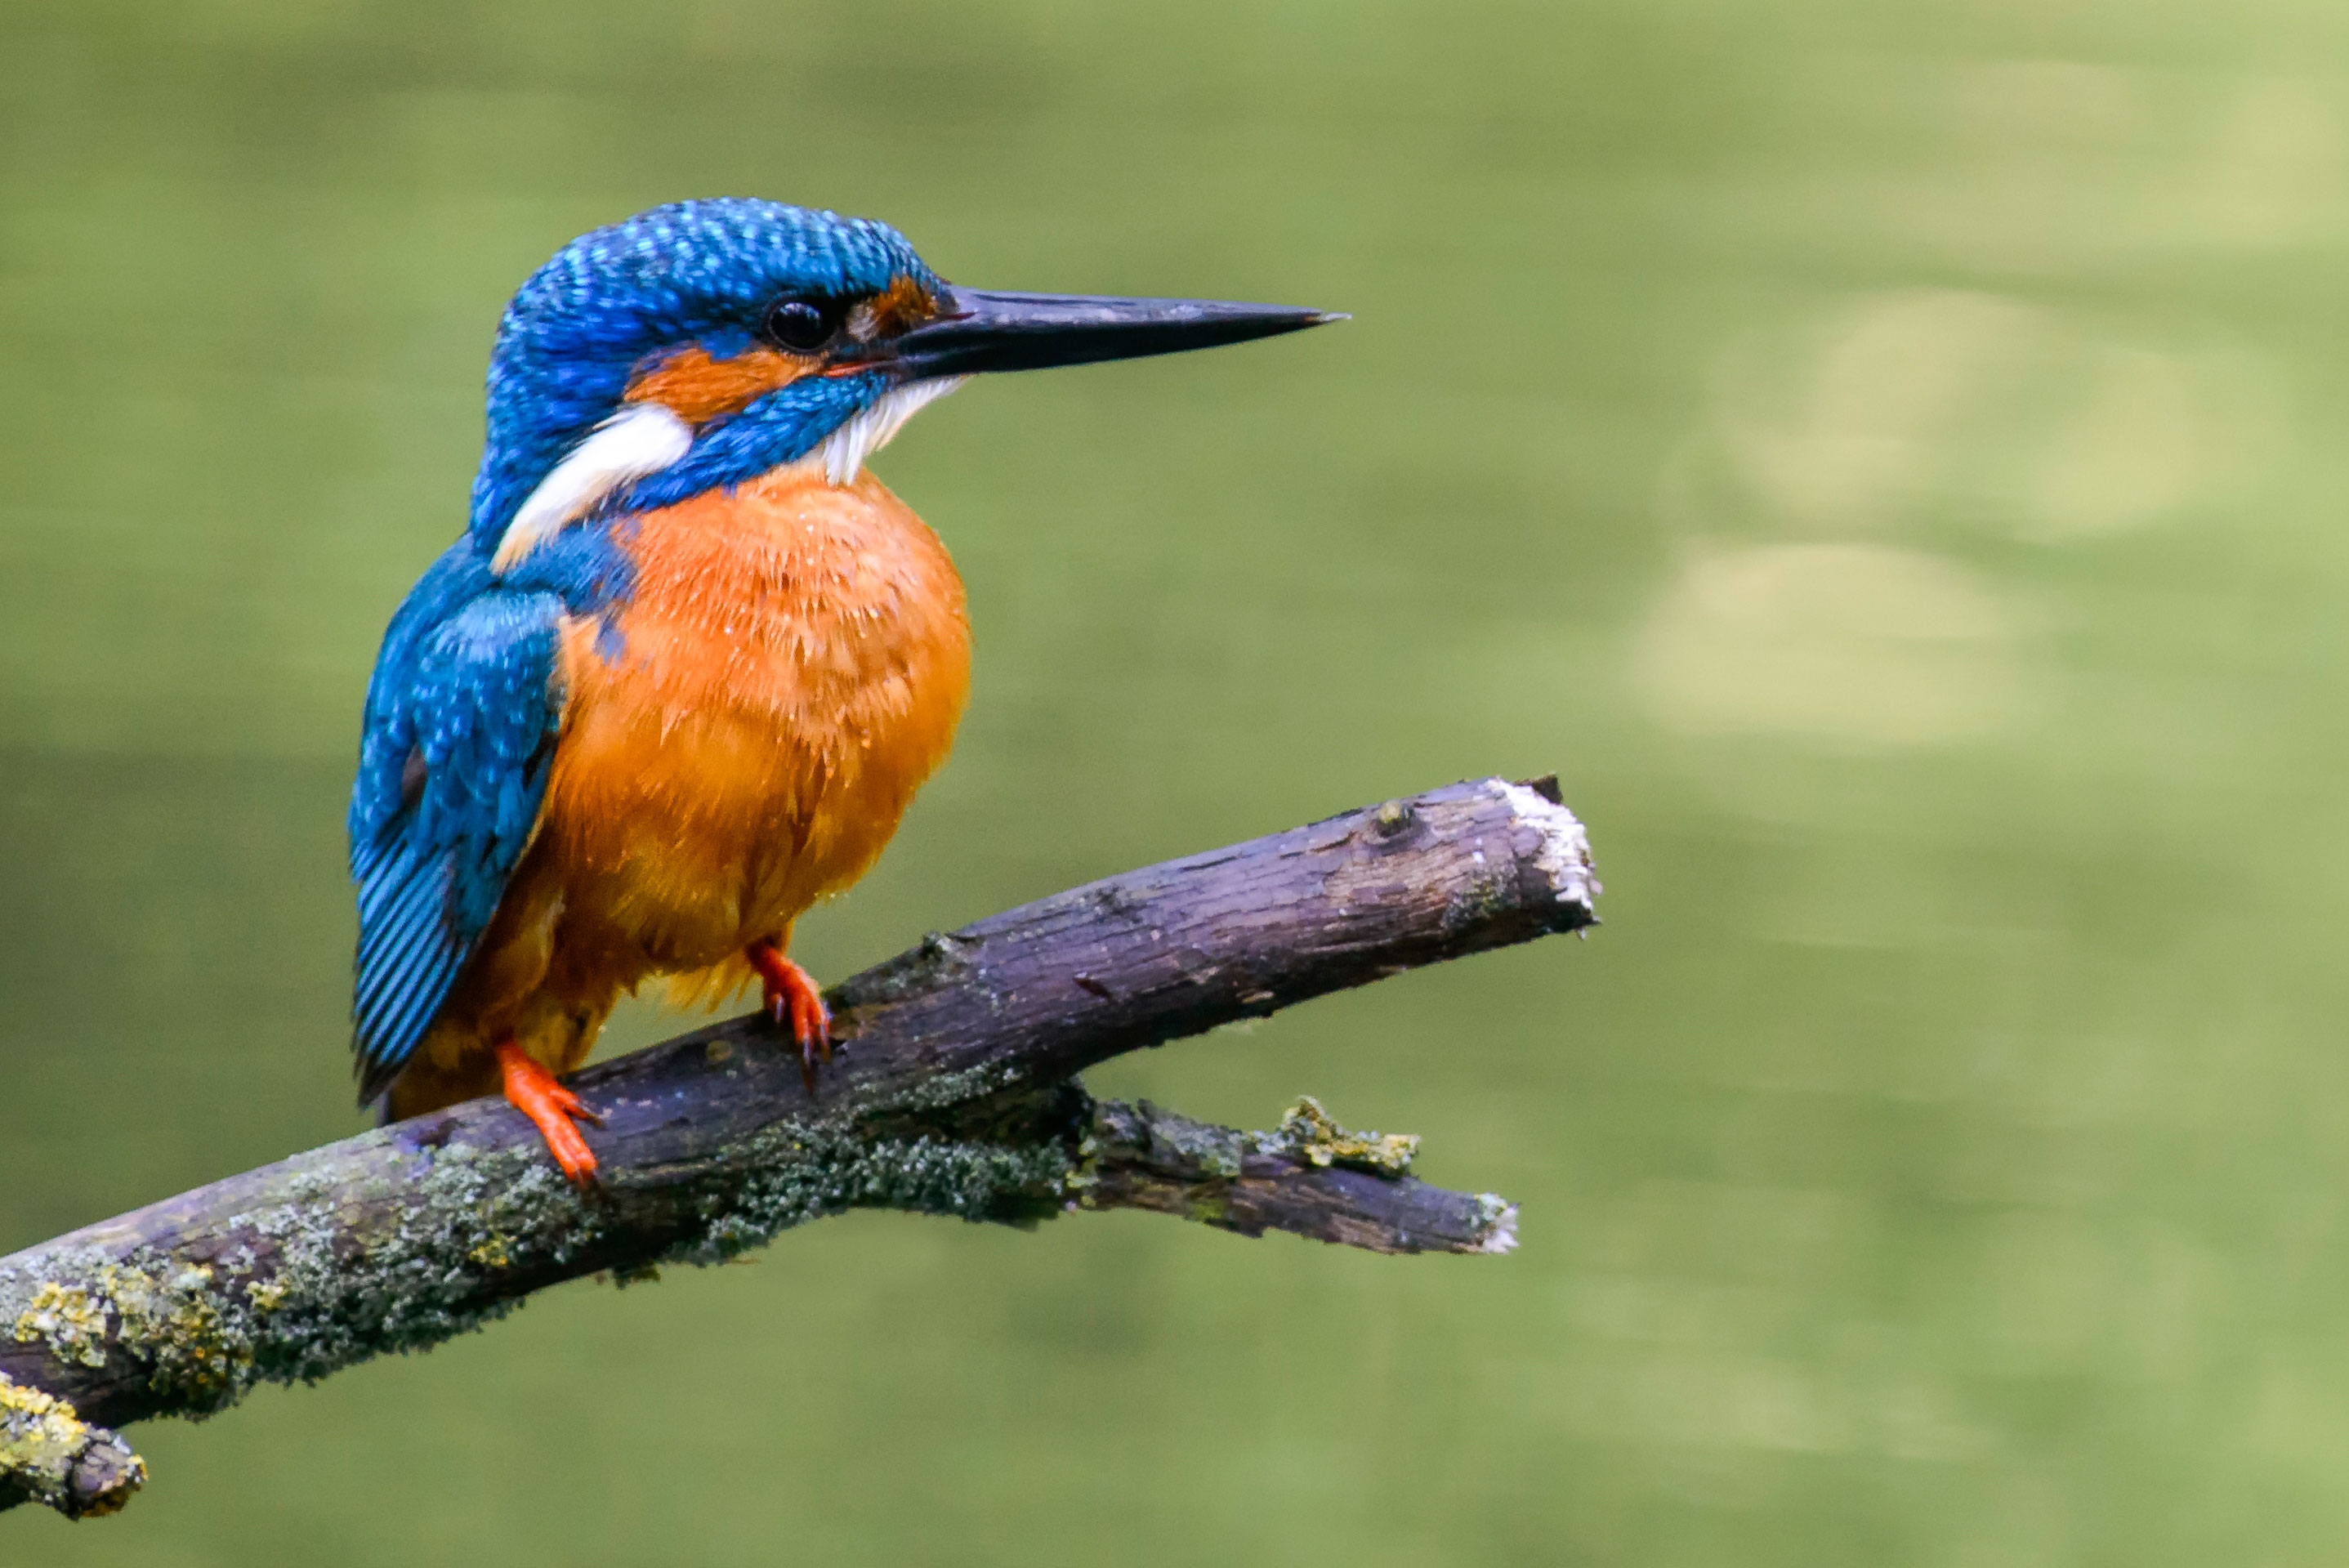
x,y
532,1090
793,999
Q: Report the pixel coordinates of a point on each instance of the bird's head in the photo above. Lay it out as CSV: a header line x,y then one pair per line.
x,y
700,344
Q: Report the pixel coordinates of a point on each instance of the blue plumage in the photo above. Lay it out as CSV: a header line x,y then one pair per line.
x,y
461,727
463,711
689,272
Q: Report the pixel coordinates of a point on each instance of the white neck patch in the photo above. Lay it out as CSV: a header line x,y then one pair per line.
x,y
843,452
641,439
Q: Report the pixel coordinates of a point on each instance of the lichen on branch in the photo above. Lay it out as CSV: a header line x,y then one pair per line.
x,y
48,1454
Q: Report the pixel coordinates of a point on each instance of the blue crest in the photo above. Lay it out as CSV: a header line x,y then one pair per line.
x,y
692,272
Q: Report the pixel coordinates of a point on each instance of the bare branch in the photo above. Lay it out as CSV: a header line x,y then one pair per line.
x,y
954,1094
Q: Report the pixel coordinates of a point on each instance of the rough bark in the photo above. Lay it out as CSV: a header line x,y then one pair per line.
x,y
954,1094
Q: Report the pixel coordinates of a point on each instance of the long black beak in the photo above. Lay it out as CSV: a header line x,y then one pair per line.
x,y
984,331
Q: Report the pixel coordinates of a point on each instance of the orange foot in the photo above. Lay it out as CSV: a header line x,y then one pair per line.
x,y
532,1090
794,998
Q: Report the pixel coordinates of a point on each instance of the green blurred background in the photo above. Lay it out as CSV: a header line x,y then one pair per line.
x,y
1887,460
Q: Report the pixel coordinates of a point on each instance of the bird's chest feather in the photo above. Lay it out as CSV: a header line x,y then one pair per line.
x,y
744,734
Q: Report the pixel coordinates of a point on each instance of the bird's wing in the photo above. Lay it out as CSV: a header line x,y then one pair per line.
x,y
462,723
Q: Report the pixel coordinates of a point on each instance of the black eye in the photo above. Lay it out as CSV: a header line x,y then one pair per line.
x,y
802,325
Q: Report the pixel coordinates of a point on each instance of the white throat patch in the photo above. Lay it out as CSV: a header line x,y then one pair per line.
x,y
640,440
843,452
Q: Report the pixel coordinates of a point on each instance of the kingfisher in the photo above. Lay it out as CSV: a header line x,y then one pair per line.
x,y
689,661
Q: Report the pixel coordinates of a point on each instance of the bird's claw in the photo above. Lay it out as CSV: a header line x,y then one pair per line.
x,y
795,1003
571,1106
552,1109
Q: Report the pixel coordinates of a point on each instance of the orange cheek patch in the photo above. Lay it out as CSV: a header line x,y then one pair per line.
x,y
904,304
697,389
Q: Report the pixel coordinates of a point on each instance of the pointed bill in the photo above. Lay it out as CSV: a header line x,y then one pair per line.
x,y
980,331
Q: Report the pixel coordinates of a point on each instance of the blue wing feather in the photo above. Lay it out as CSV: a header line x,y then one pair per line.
x,y
461,720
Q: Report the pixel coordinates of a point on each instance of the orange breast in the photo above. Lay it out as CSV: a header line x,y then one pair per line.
x,y
789,668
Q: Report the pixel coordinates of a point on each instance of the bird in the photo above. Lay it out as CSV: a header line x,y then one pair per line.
x,y
686,664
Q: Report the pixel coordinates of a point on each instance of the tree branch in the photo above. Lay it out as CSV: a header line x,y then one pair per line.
x,y
954,1094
